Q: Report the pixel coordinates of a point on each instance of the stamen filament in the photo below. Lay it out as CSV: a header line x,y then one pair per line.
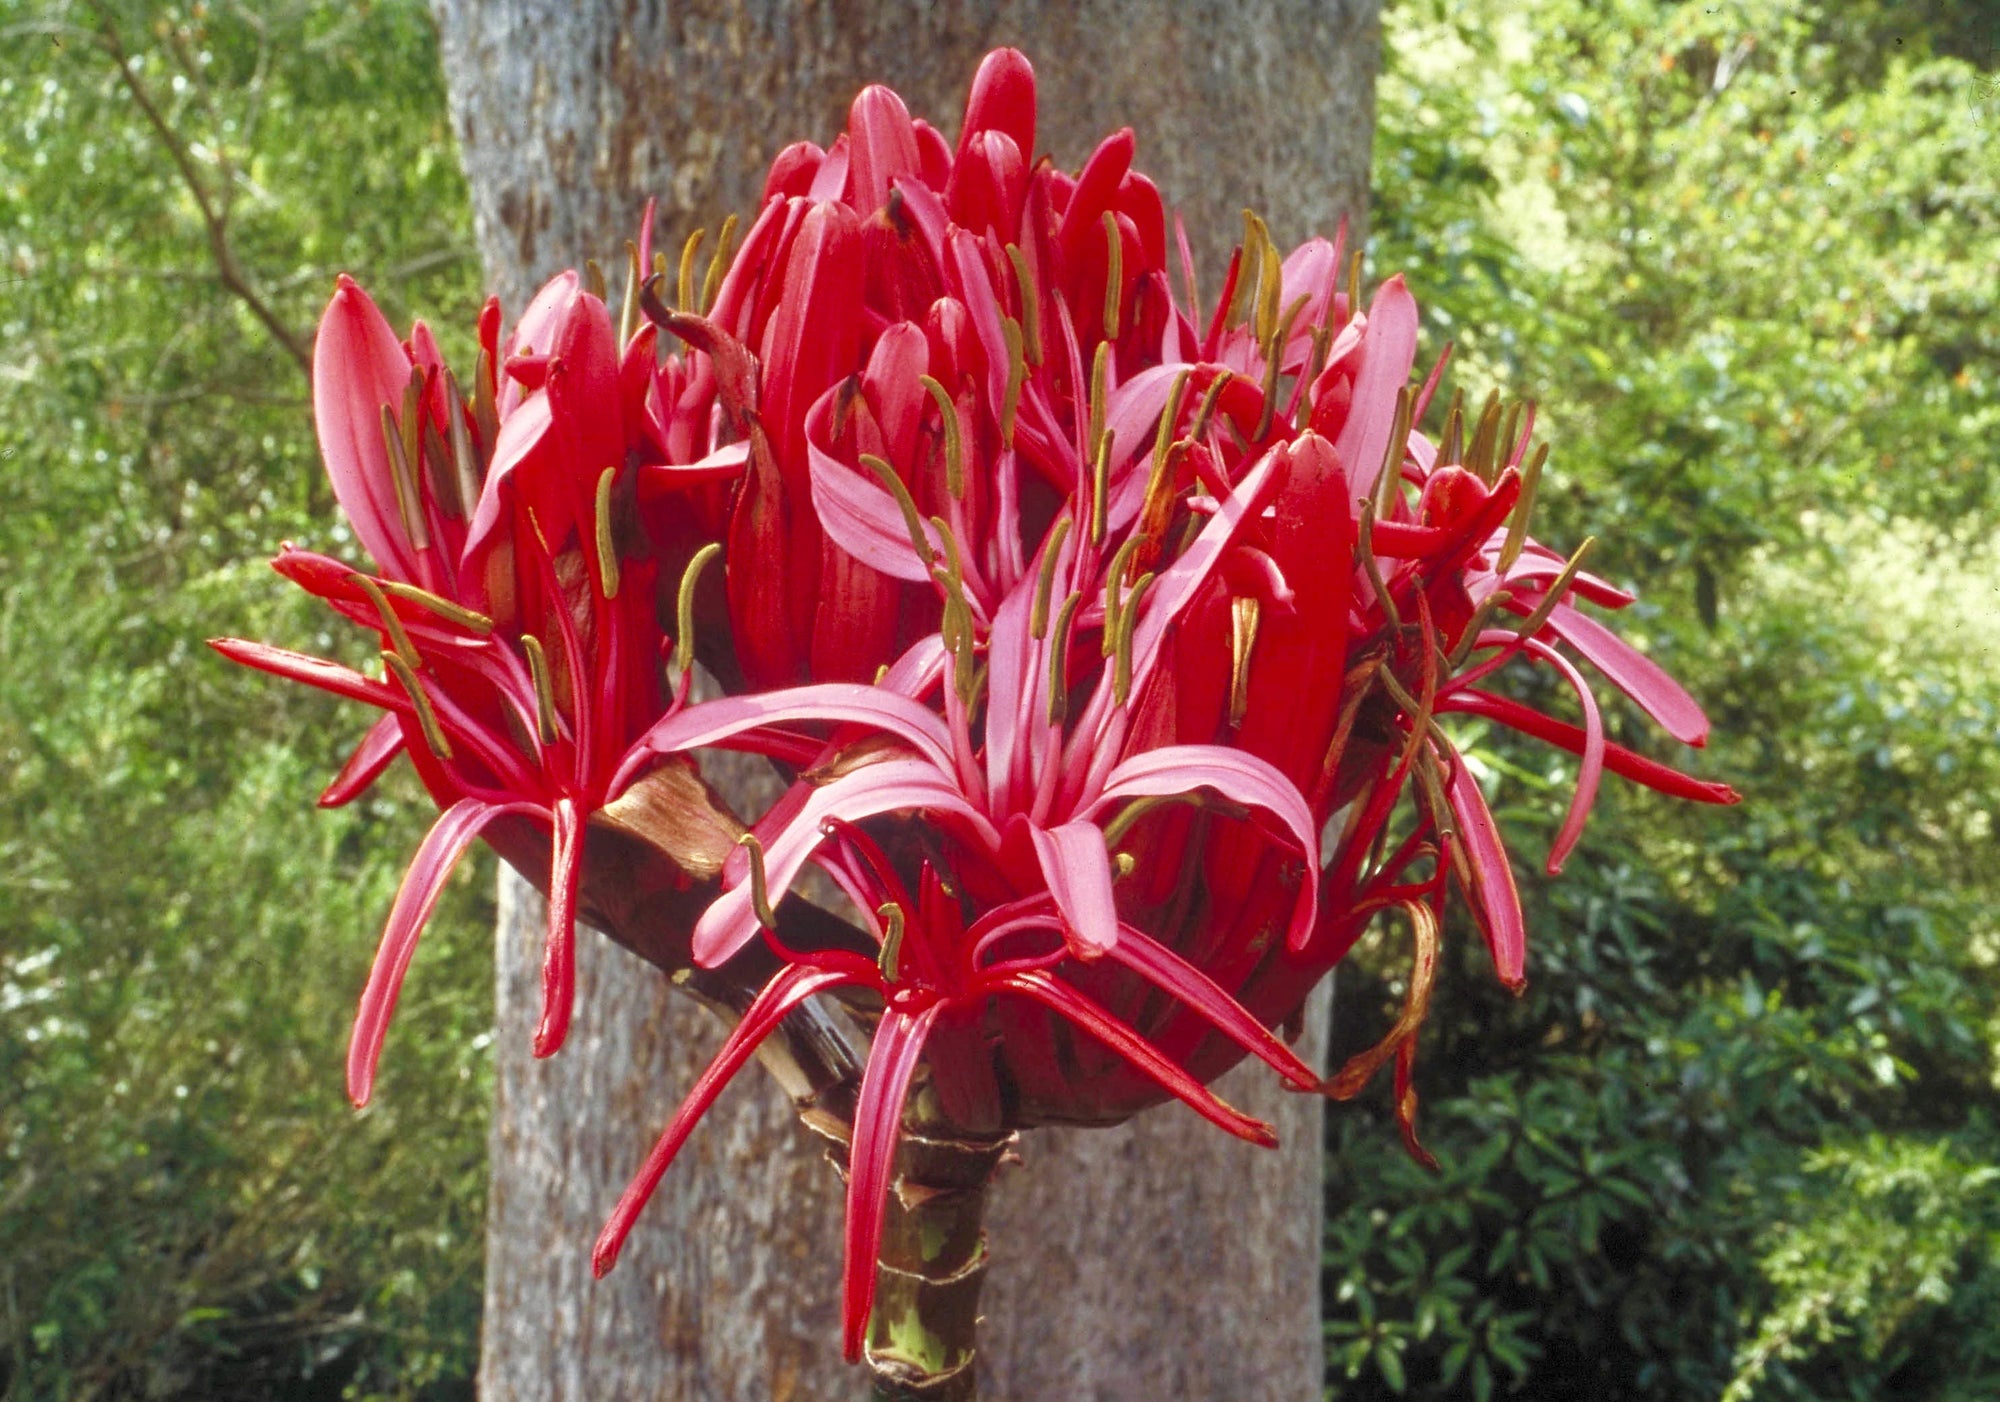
x,y
1059,661
607,548
954,442
427,719
683,660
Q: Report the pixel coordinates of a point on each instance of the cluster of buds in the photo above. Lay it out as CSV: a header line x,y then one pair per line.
x,y
1103,641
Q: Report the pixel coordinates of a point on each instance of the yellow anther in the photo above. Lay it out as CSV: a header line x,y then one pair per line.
x,y
1114,580
954,440
911,521
1244,614
409,506
424,599
593,279
545,692
718,264
1059,661
1128,620
1100,370
427,720
628,310
760,890
464,464
1017,376
607,548
391,624
1364,546
1031,304
891,916
684,288
1038,614
1517,524
1114,279
1533,622
1389,477
684,608
1100,488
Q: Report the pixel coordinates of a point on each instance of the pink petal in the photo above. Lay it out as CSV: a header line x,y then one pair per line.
x,y
1078,871
1388,351
1590,771
785,991
883,143
858,515
376,752
1630,670
878,1118
1490,882
842,703
1244,778
887,786
422,884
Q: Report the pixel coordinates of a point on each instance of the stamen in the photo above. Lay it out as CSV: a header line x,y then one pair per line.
x,y
1199,428
1123,865
1364,545
891,916
1244,613
1114,280
408,506
1517,524
911,521
1354,285
684,290
1270,287
464,466
1059,661
1100,488
607,549
1504,442
1315,365
660,264
628,311
593,279
1038,615
443,608
1100,367
1017,375
427,719
1479,458
1451,451
1481,616
954,442
1031,304
1273,357
1389,478
956,625
545,692
485,414
760,890
1121,673
391,624
1533,622
718,265
683,660
1113,580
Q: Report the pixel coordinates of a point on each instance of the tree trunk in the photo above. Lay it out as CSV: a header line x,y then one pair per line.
x,y
1161,1259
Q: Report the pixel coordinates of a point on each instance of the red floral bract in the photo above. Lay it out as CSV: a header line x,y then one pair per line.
x,y
1105,639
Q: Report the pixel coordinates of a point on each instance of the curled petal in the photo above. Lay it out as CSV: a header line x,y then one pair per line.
x,y
1490,878
777,998
1619,760
439,852
1164,969
559,952
376,752
1078,871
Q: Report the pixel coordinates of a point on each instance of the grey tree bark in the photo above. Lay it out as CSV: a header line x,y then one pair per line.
x,y
1160,1259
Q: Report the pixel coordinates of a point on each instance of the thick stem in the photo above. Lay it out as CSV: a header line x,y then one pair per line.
x,y
922,1336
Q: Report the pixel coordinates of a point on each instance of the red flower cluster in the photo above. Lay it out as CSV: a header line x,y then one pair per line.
x,y
1081,618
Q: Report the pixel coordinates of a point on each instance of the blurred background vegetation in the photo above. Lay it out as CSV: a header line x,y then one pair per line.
x,y
1742,1137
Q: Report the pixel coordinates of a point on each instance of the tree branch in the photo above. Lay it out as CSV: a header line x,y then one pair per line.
x,y
214,216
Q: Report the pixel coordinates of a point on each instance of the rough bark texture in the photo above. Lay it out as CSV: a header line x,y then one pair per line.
x,y
1161,1259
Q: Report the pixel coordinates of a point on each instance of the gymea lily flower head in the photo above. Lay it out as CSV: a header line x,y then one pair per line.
x,y
1103,635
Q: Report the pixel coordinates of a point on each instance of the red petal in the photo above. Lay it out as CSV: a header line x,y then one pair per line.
x,y
359,367
1144,1058
883,143
559,952
1002,99
784,992
313,671
376,752
1161,967
1619,760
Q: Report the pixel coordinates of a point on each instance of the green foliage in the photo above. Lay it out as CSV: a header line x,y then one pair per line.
x,y
1739,1137
187,1206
